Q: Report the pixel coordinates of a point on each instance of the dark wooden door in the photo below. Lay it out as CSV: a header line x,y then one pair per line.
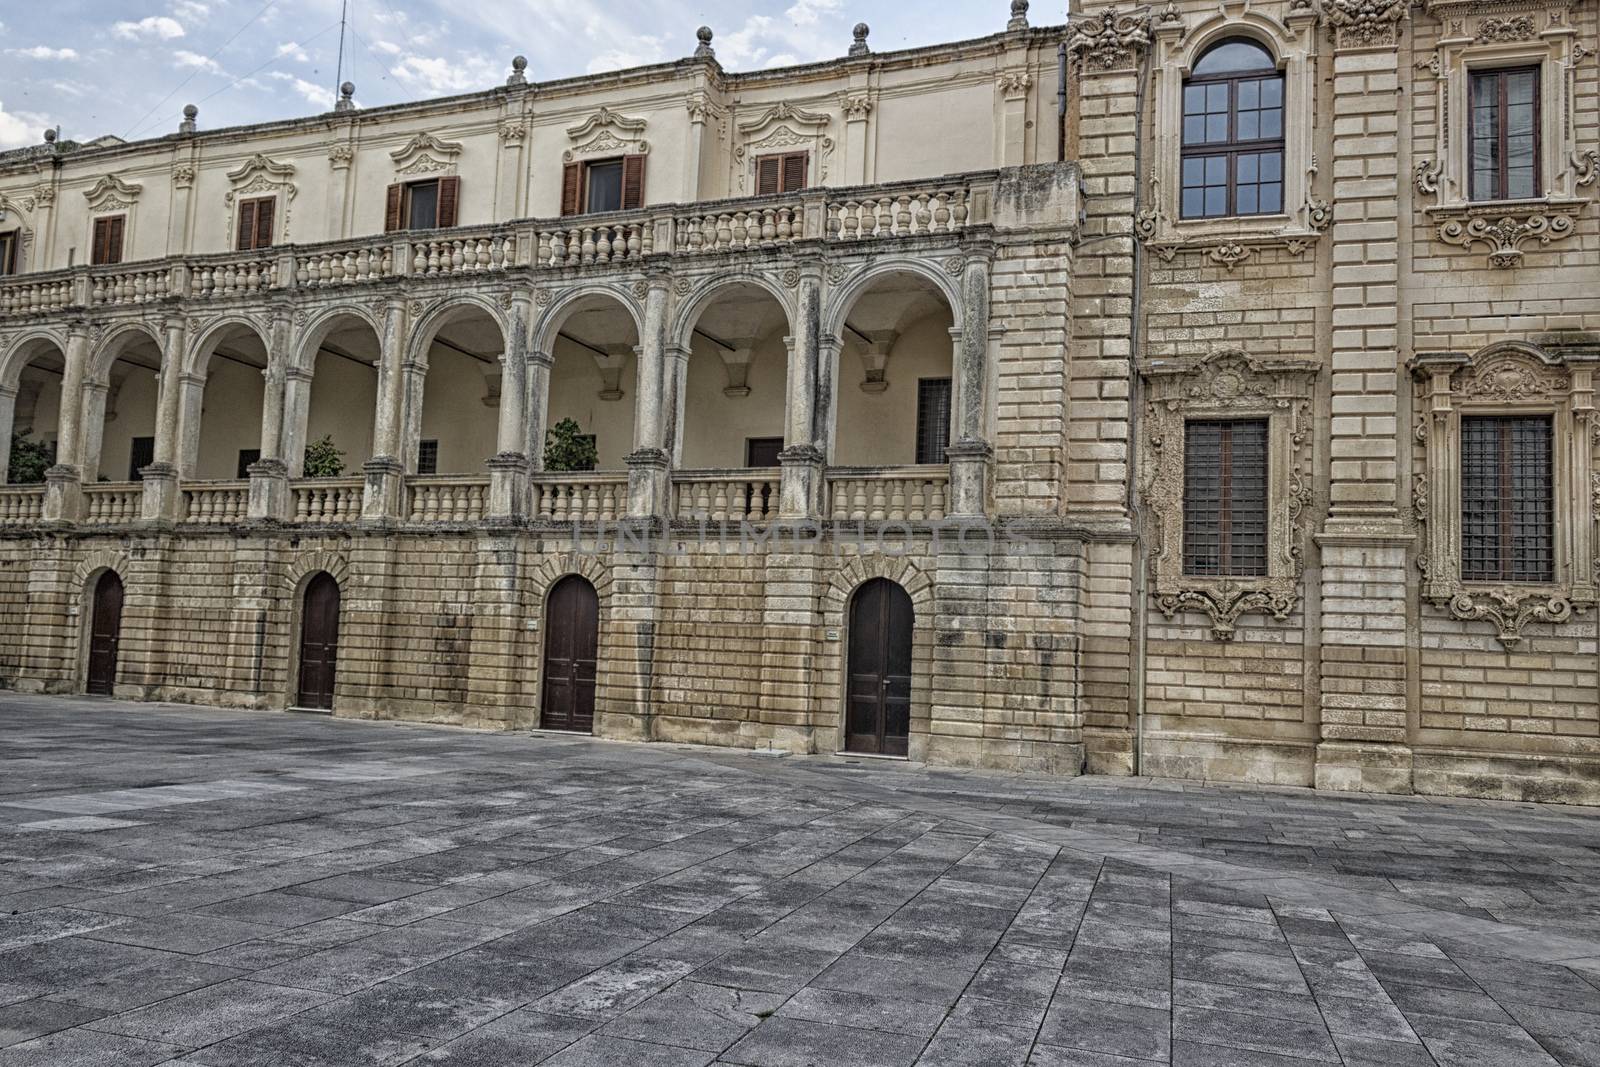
x,y
571,641
878,717
105,633
319,643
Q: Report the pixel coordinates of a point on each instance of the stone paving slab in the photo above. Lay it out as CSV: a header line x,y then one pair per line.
x,y
231,889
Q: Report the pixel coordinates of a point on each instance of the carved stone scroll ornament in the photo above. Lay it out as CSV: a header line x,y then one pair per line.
x,y
1108,41
1230,384
1365,23
1502,233
426,154
607,132
111,193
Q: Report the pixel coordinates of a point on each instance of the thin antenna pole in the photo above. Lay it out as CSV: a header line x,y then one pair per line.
x,y
338,79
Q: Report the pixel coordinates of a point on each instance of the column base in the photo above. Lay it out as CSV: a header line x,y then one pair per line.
x,y
270,498
969,478
384,495
649,484
1364,767
63,495
162,500
804,482
508,486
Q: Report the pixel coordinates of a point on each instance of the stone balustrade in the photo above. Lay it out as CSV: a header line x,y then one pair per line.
x,y
580,497
216,503
447,498
720,496
894,494
840,216
322,500
21,505
112,503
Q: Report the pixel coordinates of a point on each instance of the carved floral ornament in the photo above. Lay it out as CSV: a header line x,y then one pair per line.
x,y
1230,384
1557,379
606,133
1108,41
1365,23
260,176
784,126
111,193
426,154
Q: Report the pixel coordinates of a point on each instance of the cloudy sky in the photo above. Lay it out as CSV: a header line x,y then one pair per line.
x,y
127,67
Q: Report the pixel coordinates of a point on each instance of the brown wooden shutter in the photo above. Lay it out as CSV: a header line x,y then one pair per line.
x,y
572,189
794,172
264,211
769,175
118,225
97,247
10,265
449,201
107,240
632,182
393,208
247,225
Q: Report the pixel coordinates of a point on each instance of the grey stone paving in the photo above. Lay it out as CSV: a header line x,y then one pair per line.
x,y
234,889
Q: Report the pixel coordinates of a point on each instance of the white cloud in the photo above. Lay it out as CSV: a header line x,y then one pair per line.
x,y
191,9
20,128
41,51
292,50
157,26
438,76
319,96
184,58
639,53
808,12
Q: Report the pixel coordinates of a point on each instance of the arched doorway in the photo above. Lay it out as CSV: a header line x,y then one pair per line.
x,y
571,641
878,714
319,643
105,634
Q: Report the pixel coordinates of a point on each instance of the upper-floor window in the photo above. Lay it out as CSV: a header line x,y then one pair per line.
x,y
1507,499
933,419
8,252
255,223
424,205
108,232
603,185
1504,146
785,173
428,457
1225,497
1232,154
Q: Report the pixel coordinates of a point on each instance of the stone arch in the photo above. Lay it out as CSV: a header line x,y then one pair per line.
x,y
210,334
853,286
309,337
694,304
114,342
555,568
856,572
24,348
1253,26
1512,347
98,561
438,315
308,564
611,653
554,316
454,369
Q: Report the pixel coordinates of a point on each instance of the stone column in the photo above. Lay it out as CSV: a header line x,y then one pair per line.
x,y
8,408
655,414
63,498
1363,545
808,409
384,494
91,434
269,475
977,350
296,417
509,467
177,418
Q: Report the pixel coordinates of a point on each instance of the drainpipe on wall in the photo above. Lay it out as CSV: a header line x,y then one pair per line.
x,y
1061,102
1135,333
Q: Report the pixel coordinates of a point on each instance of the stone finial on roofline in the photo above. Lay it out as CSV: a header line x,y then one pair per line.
x,y
347,93
858,47
703,50
190,113
1019,15
519,68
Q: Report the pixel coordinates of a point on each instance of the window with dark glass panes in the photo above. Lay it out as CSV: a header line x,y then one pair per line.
x,y
428,457
1507,499
141,453
1505,134
1225,498
1232,145
933,420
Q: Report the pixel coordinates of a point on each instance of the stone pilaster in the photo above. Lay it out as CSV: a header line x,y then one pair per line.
x,y
625,698
1363,545
496,671
795,575
399,387
258,652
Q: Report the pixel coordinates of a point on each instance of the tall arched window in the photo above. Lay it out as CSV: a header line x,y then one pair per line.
x,y
1233,133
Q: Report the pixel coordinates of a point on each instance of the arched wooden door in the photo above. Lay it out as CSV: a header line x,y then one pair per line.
x,y
319,643
878,715
571,643
105,634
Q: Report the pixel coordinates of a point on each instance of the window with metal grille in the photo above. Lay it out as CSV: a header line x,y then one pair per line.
x,y
1505,134
247,456
1507,499
1225,498
141,453
762,451
428,457
1232,149
933,419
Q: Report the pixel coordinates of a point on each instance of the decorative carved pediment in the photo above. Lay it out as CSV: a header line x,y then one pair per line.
x,y
1233,385
1108,41
1501,230
426,154
782,126
111,193
1365,23
259,177
607,133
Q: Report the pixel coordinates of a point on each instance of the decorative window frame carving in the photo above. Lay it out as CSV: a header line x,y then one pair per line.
x,y
111,193
1230,384
784,126
426,154
1478,35
1508,378
1229,241
262,177
606,133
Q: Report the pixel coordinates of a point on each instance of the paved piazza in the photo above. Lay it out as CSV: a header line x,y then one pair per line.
x,y
225,888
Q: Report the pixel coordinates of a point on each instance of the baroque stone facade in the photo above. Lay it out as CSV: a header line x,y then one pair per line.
x,y
759,373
